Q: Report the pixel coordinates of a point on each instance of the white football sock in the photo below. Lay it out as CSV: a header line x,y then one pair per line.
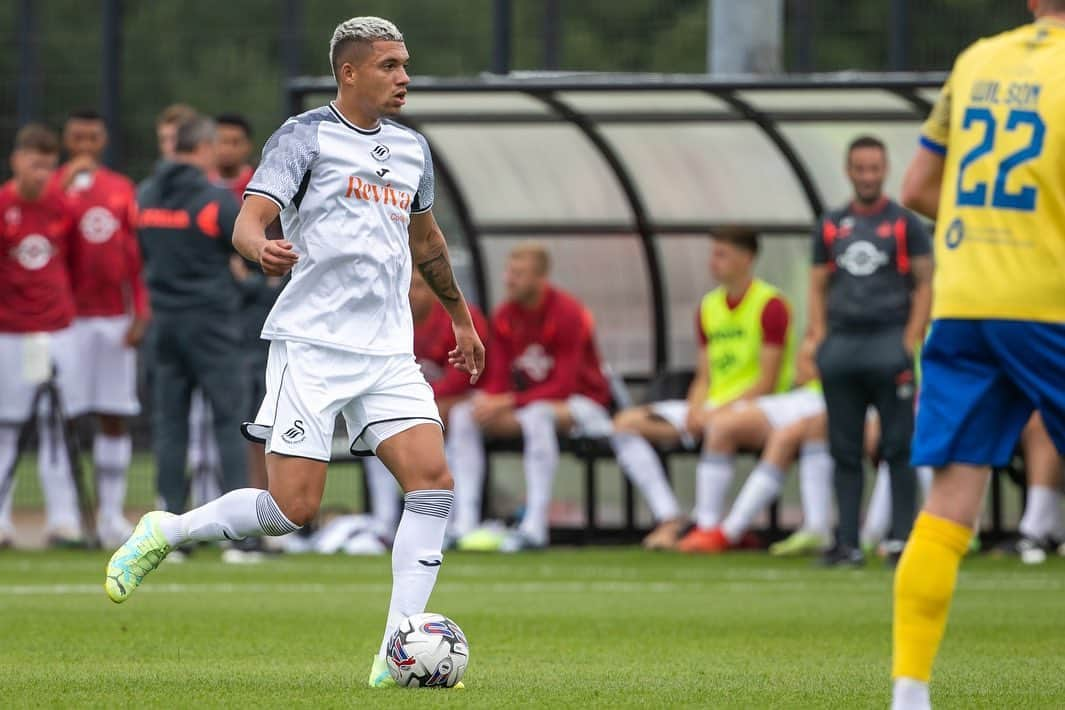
x,y
245,512
1042,513
713,476
384,496
111,456
540,459
815,487
878,513
465,449
57,481
641,464
910,694
925,474
416,555
8,453
762,488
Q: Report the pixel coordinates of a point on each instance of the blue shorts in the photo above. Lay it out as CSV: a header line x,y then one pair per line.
x,y
982,381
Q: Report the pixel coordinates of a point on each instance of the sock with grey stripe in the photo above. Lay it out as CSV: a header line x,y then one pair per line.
x,y
245,512
416,555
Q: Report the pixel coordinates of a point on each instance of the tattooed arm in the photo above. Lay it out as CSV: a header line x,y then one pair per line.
x,y
429,252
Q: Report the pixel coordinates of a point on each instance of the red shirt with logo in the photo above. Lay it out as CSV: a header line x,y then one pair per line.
x,y
434,338
547,352
107,267
36,244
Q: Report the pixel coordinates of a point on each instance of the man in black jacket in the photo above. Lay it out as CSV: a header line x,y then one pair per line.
x,y
185,228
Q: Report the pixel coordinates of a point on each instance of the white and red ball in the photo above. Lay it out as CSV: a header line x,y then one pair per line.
x,y
427,651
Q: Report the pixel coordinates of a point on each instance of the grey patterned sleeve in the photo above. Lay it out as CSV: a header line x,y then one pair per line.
x,y
423,198
287,156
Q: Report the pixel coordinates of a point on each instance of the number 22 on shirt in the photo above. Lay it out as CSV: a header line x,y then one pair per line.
x,y
975,192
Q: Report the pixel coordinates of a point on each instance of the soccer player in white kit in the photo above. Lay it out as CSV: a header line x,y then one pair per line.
x,y
355,194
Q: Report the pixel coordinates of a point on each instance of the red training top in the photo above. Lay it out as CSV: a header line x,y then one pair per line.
x,y
107,267
547,352
434,338
36,240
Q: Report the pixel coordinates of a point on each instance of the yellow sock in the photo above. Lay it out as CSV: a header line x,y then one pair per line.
x,y
924,585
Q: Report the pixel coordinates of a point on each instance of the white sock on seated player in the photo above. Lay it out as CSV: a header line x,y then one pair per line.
x,y
416,555
245,512
815,487
762,488
384,496
713,477
640,462
465,448
540,459
878,512
1042,513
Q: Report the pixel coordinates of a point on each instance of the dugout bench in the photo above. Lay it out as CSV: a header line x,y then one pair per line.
x,y
590,451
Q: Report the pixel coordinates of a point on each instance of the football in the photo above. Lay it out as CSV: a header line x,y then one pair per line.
x,y
428,651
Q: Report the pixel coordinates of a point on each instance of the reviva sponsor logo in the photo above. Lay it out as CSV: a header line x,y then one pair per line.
x,y
383,194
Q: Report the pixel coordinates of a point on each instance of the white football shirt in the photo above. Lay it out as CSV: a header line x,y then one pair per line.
x,y
346,196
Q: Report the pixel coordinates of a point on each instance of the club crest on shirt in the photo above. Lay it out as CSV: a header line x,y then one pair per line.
x,y
862,259
535,362
380,152
98,225
33,252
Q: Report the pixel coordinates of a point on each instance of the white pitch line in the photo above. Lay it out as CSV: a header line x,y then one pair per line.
x,y
560,587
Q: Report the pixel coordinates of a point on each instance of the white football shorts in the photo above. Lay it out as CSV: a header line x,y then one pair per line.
x,y
26,364
104,380
787,408
308,385
675,411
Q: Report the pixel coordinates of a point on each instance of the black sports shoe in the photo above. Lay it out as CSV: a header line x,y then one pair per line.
x,y
842,556
892,552
1031,550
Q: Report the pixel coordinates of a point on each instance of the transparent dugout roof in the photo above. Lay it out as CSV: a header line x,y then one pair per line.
x,y
623,176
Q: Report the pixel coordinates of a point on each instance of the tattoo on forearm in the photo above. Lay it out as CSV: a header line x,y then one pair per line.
x,y
441,279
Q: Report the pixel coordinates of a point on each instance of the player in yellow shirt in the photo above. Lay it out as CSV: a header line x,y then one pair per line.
x,y
990,172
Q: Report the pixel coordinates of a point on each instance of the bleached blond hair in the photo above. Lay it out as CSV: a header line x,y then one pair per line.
x,y
360,29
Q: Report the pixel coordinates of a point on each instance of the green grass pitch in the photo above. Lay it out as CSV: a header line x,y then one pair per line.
x,y
567,628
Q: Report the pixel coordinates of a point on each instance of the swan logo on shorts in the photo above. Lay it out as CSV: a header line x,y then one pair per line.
x,y
98,225
34,252
295,433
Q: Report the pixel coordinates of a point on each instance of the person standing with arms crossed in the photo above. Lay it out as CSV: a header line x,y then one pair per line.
x,y
870,295
989,170
355,195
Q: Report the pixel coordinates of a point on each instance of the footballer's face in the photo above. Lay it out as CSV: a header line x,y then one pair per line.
x,y
82,136
232,147
31,170
867,169
523,279
729,264
379,77
421,297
